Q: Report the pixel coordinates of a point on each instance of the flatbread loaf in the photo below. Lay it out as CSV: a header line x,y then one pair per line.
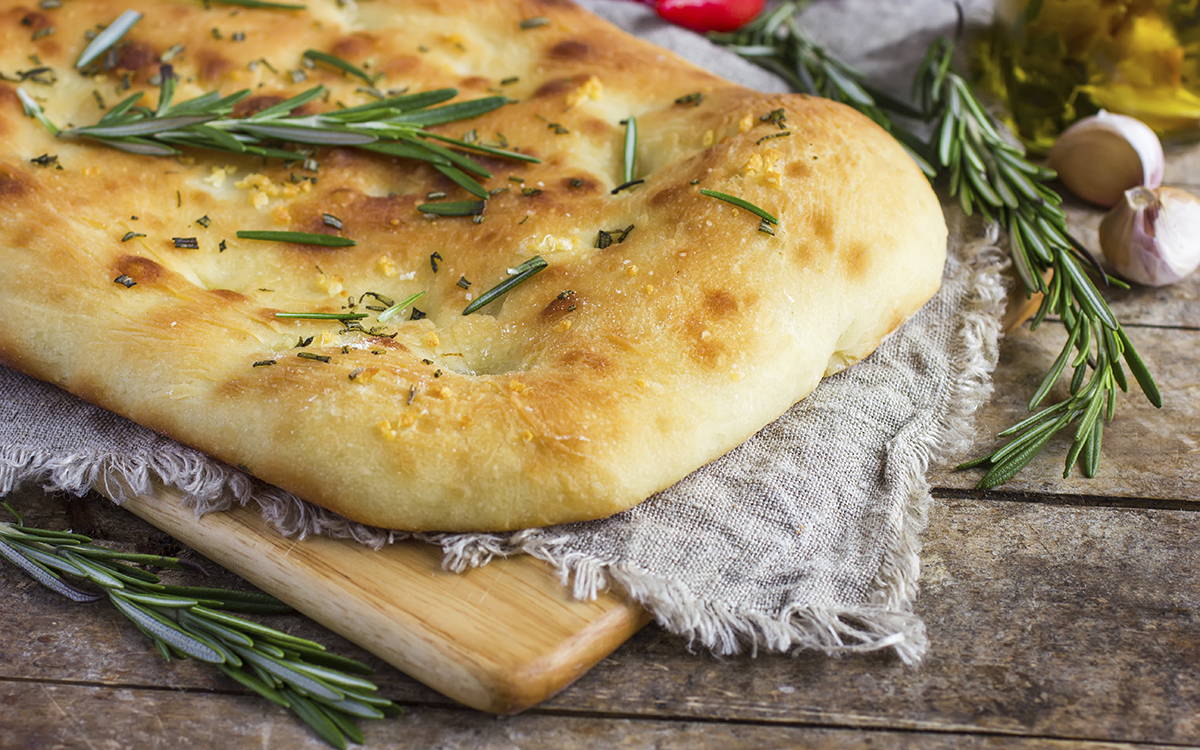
x,y
668,325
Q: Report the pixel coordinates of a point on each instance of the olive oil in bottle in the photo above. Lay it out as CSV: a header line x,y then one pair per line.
x,y
1052,62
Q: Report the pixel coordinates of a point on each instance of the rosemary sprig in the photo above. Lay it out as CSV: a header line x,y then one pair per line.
x,y
325,690
394,126
992,177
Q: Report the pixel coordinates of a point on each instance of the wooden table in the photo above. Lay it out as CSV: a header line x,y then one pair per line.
x,y
1061,613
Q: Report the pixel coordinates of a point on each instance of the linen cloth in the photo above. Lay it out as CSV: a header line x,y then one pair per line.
x,y
806,536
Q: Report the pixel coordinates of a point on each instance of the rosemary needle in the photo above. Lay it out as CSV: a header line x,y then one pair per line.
x,y
740,203
453,208
631,136
338,63
394,310
519,274
623,186
34,110
303,238
107,38
320,316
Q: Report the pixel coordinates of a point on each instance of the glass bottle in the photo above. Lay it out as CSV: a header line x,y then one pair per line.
x,y
1052,62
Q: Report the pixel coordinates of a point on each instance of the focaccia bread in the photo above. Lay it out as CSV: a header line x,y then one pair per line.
x,y
667,326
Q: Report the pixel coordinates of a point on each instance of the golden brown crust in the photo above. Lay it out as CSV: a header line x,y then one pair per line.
x,y
603,379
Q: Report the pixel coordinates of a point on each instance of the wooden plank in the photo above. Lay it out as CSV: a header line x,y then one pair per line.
x,y
1069,622
1147,452
41,715
1044,621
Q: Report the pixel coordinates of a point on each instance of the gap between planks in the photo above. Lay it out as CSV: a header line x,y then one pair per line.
x,y
631,725
1065,500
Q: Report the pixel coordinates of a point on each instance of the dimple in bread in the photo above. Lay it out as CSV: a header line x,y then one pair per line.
x,y
665,329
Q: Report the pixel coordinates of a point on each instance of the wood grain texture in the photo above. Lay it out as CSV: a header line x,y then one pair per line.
x,y
1046,623
1043,621
1148,452
69,716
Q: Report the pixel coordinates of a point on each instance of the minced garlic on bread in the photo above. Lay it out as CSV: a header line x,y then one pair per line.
x,y
664,330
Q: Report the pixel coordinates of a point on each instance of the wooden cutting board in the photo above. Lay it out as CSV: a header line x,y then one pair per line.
x,y
499,638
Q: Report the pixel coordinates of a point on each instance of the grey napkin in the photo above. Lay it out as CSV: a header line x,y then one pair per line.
x,y
806,536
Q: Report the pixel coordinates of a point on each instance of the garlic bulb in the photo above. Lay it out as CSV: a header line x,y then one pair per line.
x,y
1153,236
1100,157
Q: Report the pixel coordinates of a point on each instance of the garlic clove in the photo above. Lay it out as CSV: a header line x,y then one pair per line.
x,y
1102,156
1153,236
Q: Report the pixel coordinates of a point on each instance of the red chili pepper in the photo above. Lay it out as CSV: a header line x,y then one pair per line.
x,y
709,15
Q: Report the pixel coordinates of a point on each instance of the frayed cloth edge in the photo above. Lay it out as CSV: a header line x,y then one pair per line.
x,y
722,630
207,487
896,584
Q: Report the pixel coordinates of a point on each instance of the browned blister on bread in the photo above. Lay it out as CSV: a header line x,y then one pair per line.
x,y
665,329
